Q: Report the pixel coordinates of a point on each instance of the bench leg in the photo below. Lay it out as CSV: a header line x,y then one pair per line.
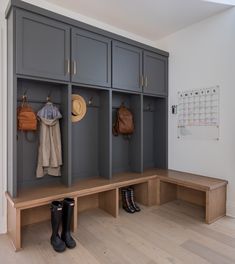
x,y
141,193
109,202
14,225
152,192
166,192
75,216
215,204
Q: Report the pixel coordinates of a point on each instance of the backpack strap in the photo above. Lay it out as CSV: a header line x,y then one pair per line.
x,y
114,130
34,139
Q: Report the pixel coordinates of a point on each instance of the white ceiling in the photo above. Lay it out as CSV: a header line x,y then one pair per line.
x,y
150,19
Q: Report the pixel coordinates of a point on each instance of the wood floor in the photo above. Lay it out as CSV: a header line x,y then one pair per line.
x,y
173,233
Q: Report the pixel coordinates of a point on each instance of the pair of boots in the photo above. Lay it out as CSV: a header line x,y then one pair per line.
x,y
62,211
128,201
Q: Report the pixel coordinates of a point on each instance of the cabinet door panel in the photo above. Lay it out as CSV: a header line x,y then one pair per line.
x,y
127,67
92,55
42,46
155,74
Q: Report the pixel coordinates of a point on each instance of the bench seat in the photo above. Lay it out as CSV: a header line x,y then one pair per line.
x,y
153,187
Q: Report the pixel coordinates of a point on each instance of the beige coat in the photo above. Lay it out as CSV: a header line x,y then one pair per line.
x,y
49,152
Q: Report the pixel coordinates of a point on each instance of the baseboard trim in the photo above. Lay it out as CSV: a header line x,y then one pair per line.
x,y
230,209
3,224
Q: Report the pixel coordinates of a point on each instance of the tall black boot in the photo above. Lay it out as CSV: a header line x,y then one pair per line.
x,y
132,199
126,205
56,216
68,206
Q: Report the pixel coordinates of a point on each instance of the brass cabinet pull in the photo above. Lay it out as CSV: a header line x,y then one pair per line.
x,y
74,67
67,66
146,81
142,80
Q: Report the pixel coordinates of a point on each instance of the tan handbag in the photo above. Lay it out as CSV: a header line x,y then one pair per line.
x,y
124,124
26,117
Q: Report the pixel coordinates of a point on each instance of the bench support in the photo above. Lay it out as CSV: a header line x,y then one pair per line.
x,y
215,204
166,192
108,201
213,200
14,225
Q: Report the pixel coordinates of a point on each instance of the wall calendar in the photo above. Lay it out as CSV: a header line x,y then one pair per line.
x,y
198,113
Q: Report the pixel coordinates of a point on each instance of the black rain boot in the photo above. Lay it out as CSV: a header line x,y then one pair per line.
x,y
68,205
126,205
132,199
56,216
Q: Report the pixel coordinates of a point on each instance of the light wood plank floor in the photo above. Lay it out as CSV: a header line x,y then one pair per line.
x,y
172,233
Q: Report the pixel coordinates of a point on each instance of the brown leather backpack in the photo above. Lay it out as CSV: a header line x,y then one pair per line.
x,y
124,122
26,117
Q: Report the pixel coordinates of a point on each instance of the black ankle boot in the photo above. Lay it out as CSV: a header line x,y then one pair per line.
x,y
56,216
132,199
68,205
126,205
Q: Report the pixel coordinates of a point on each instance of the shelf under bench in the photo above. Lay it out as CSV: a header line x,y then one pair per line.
x,y
153,187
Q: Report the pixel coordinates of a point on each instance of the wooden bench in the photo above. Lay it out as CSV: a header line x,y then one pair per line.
x,y
151,188
204,191
32,204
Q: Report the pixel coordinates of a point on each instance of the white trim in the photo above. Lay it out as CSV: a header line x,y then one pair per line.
x,y
224,2
230,208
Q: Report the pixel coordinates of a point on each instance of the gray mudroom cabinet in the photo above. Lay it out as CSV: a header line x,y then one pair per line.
x,y
126,67
155,73
50,54
91,58
42,46
138,70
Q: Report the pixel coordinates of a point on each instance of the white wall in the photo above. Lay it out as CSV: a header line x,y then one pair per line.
x,y
203,55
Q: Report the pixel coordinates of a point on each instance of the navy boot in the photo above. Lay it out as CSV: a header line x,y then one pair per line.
x,y
56,216
68,206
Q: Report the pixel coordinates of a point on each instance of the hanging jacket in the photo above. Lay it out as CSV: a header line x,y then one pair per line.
x,y
49,111
49,152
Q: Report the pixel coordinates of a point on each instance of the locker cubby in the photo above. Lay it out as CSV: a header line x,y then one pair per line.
x,y
126,151
27,143
154,132
91,136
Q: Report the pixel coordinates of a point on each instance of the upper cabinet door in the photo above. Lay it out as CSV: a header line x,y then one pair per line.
x,y
155,74
127,67
43,47
91,58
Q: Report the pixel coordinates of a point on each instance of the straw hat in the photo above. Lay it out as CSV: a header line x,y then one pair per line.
x,y
78,107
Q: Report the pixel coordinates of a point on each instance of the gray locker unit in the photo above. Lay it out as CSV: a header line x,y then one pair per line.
x,y
52,54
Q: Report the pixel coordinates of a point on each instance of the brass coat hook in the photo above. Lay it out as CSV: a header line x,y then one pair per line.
x,y
90,101
49,97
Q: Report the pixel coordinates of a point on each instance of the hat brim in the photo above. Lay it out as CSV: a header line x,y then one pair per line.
x,y
76,118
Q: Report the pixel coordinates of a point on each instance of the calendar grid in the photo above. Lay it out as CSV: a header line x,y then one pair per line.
x,y
198,108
